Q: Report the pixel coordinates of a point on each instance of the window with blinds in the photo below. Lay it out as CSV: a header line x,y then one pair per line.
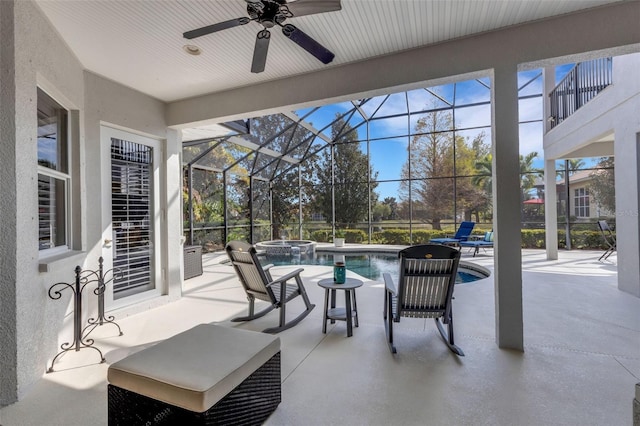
x,y
131,215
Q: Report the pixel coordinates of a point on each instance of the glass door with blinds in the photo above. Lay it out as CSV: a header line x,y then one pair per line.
x,y
130,237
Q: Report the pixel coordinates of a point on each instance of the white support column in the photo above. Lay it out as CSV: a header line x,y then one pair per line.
x,y
172,212
550,209
550,192
506,209
627,178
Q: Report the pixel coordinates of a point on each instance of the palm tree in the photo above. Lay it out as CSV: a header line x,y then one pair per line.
x,y
575,164
528,173
484,169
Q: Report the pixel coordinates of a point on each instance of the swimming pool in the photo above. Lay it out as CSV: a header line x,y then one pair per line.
x,y
368,265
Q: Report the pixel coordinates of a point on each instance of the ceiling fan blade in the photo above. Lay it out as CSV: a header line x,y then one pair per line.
x,y
215,27
307,43
260,51
310,7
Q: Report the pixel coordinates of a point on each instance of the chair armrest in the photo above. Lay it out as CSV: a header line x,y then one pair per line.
x,y
389,285
286,277
267,267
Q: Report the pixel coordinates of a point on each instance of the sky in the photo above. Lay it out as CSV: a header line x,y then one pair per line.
x,y
472,112
389,155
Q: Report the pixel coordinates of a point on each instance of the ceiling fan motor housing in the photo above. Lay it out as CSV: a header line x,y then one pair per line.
x,y
269,13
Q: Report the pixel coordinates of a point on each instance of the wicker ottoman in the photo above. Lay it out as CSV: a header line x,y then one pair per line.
x,y
206,375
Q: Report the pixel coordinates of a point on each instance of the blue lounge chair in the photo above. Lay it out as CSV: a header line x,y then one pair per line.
x,y
461,235
476,245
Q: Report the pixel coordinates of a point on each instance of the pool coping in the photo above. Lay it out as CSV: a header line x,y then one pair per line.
x,y
473,268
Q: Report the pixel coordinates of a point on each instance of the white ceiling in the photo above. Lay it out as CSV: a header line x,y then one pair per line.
x,y
139,43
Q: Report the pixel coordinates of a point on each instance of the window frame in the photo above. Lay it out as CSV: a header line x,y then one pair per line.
x,y
581,202
63,135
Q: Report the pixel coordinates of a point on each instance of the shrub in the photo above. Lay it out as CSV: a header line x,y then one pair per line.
x,y
321,235
393,236
531,238
354,235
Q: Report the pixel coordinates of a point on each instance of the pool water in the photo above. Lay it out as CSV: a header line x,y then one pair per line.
x,y
370,265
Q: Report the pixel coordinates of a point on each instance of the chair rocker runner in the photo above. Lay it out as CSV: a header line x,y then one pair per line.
x,y
424,290
258,284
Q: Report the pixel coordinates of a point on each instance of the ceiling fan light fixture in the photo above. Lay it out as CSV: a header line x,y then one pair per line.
x,y
192,49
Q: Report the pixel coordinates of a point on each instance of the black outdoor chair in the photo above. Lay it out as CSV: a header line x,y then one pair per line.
x,y
609,239
258,284
424,290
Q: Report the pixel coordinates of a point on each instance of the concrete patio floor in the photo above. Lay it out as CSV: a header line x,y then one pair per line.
x,y
580,365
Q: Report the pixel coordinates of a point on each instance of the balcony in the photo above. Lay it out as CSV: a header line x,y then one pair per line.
x,y
579,86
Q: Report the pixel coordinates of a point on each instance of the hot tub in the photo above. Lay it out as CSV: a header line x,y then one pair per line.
x,y
287,247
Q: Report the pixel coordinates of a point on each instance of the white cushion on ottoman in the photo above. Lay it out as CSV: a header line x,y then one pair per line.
x,y
196,368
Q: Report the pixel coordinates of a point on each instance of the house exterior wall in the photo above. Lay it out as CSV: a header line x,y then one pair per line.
x,y
613,111
32,55
595,211
8,212
593,207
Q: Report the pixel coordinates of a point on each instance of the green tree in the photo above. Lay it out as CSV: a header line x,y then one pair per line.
x,y
602,185
482,179
431,162
484,173
276,133
207,186
471,199
380,212
351,173
574,164
528,174
437,157
392,203
285,204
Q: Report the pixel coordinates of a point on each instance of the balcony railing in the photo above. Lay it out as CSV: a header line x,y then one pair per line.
x,y
578,87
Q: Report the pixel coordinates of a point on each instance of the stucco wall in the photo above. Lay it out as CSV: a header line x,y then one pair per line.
x,y
8,379
111,104
31,54
615,110
40,58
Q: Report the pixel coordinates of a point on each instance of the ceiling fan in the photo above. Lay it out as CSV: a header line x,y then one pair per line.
x,y
270,13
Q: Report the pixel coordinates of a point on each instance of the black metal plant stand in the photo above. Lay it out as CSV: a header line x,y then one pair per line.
x,y
80,340
99,291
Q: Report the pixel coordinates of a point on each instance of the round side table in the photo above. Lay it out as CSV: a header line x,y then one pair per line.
x,y
349,312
